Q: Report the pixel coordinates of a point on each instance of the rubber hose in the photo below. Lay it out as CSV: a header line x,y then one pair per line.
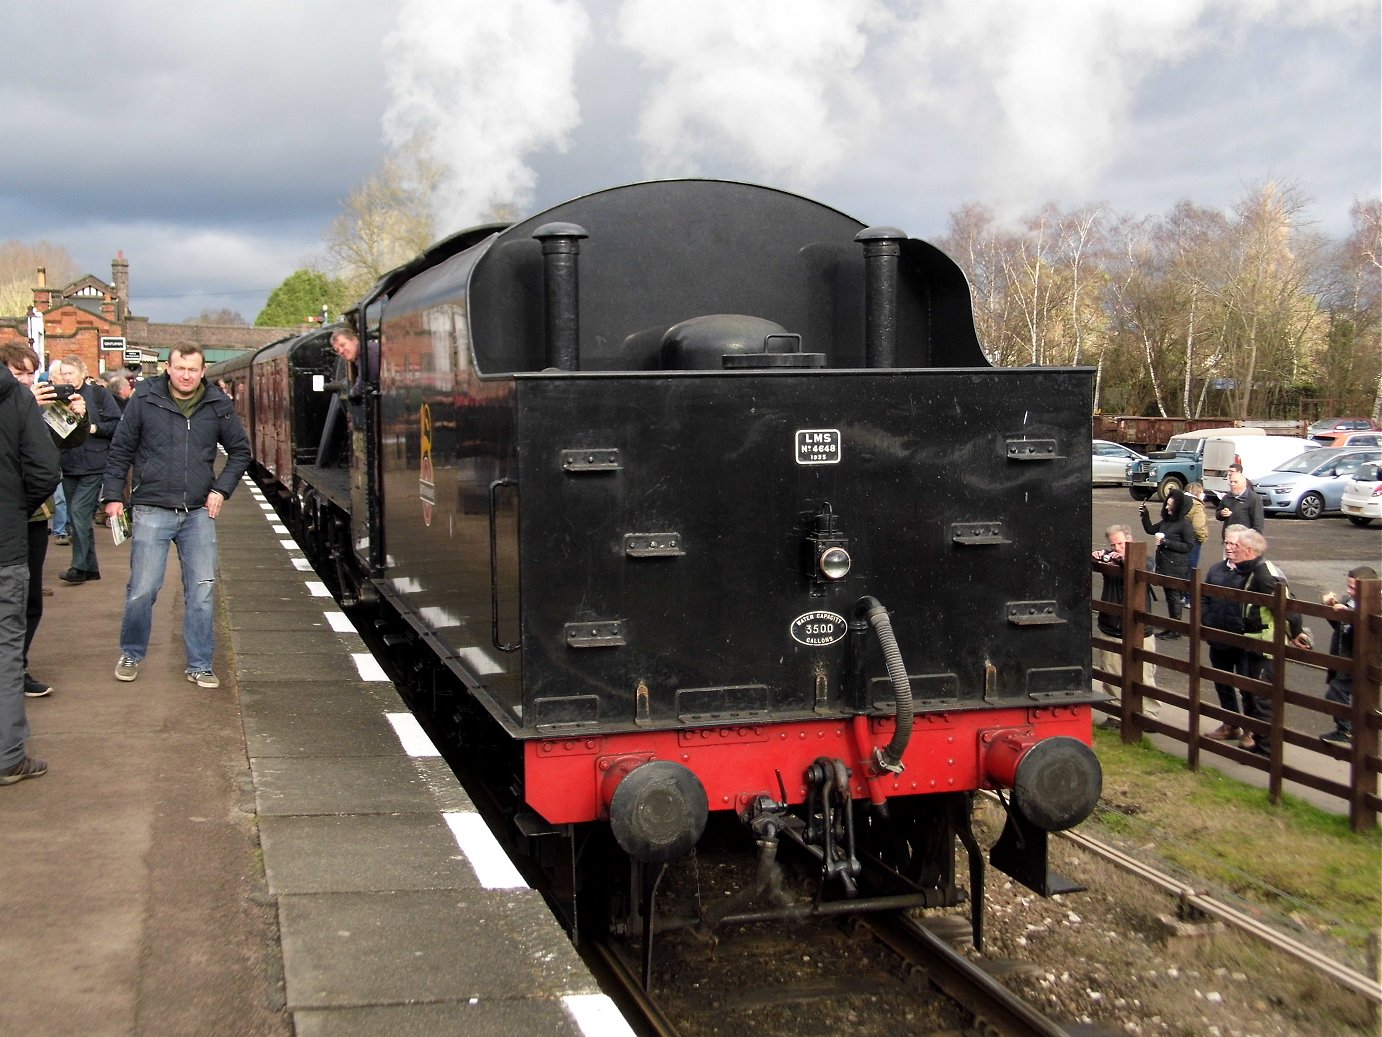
x,y
877,616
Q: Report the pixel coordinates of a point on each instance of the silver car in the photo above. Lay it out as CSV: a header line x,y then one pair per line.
x,y
1311,483
1111,462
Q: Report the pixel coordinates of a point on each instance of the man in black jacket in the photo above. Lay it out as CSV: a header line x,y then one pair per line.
x,y
169,434
29,472
1241,506
1339,683
83,466
1111,626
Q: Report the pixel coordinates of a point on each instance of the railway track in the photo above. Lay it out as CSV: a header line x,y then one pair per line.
x,y
949,992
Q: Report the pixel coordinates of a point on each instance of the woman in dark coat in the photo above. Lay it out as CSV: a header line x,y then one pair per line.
x,y
1175,539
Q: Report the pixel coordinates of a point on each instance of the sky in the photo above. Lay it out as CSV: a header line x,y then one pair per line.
x,y
214,144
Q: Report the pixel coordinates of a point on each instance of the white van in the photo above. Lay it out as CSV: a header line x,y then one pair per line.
x,y
1257,454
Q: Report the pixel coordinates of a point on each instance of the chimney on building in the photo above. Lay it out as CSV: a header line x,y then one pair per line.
x,y
120,281
43,295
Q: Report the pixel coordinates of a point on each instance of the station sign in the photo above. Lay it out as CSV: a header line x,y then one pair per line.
x,y
134,356
112,342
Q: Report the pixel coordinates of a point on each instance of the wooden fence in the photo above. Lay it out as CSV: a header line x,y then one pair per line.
x,y
1361,790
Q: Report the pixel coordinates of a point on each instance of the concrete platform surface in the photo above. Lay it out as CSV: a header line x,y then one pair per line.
x,y
285,854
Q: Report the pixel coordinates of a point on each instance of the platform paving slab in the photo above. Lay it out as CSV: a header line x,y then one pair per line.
x,y
344,949
487,1018
340,785
362,853
337,667
278,643
301,727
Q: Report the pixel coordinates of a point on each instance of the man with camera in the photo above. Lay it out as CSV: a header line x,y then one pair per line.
x,y
1111,624
84,466
1339,683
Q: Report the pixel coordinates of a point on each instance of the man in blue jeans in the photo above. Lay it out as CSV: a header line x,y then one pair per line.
x,y
169,434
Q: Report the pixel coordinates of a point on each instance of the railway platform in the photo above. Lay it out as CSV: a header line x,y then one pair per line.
x,y
286,854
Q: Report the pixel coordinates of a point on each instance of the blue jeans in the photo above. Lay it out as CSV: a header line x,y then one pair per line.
x,y
195,534
14,721
59,511
82,492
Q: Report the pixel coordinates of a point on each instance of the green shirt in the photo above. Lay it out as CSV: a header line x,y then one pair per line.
x,y
188,405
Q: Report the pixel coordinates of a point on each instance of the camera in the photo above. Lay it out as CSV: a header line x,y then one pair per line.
x,y
1108,554
64,392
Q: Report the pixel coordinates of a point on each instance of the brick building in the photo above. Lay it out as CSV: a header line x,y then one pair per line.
x,y
82,316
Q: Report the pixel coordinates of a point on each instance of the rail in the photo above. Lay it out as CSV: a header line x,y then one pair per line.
x,y
1359,792
997,1010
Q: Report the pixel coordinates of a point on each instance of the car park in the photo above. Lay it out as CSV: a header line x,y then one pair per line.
x,y
1312,483
1362,497
1111,462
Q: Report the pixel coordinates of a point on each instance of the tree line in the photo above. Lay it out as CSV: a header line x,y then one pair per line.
x,y
1243,313
1246,313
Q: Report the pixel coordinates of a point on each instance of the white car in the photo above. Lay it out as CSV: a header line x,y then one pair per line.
x,y
1111,462
1362,500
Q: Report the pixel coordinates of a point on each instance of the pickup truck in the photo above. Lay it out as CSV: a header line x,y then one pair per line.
x,y
1181,463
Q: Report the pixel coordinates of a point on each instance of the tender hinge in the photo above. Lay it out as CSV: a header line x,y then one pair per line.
x,y
1033,613
978,534
599,460
1032,450
607,634
652,545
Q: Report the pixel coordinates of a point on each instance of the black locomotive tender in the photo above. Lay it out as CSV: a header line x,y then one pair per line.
x,y
696,496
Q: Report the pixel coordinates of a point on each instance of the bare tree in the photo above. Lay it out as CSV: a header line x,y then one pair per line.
x,y
19,263
1081,235
386,221
1265,278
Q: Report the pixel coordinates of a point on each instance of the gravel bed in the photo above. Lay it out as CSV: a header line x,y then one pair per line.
x,y
1108,955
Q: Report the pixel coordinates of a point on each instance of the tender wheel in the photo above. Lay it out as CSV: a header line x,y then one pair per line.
x,y
1311,506
1139,494
1171,482
1360,520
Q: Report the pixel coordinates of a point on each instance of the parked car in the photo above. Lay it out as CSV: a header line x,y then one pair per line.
x,y
1311,483
1350,439
1111,462
1340,425
1362,499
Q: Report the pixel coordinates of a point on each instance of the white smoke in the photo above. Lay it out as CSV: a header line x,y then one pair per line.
x,y
1032,101
761,86
481,85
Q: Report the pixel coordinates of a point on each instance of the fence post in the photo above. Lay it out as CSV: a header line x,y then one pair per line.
x,y
1276,723
1134,668
1367,648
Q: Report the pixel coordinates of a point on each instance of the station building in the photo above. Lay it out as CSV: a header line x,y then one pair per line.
x,y
91,318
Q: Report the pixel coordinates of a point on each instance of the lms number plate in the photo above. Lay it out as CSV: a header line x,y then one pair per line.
x,y
818,446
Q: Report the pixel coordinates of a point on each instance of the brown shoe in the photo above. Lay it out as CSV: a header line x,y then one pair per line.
x,y
1224,733
1247,742
25,768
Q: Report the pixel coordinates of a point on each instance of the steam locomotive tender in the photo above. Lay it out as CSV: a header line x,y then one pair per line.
x,y
703,498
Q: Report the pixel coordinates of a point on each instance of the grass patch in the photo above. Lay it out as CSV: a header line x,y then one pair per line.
x,y
1290,857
